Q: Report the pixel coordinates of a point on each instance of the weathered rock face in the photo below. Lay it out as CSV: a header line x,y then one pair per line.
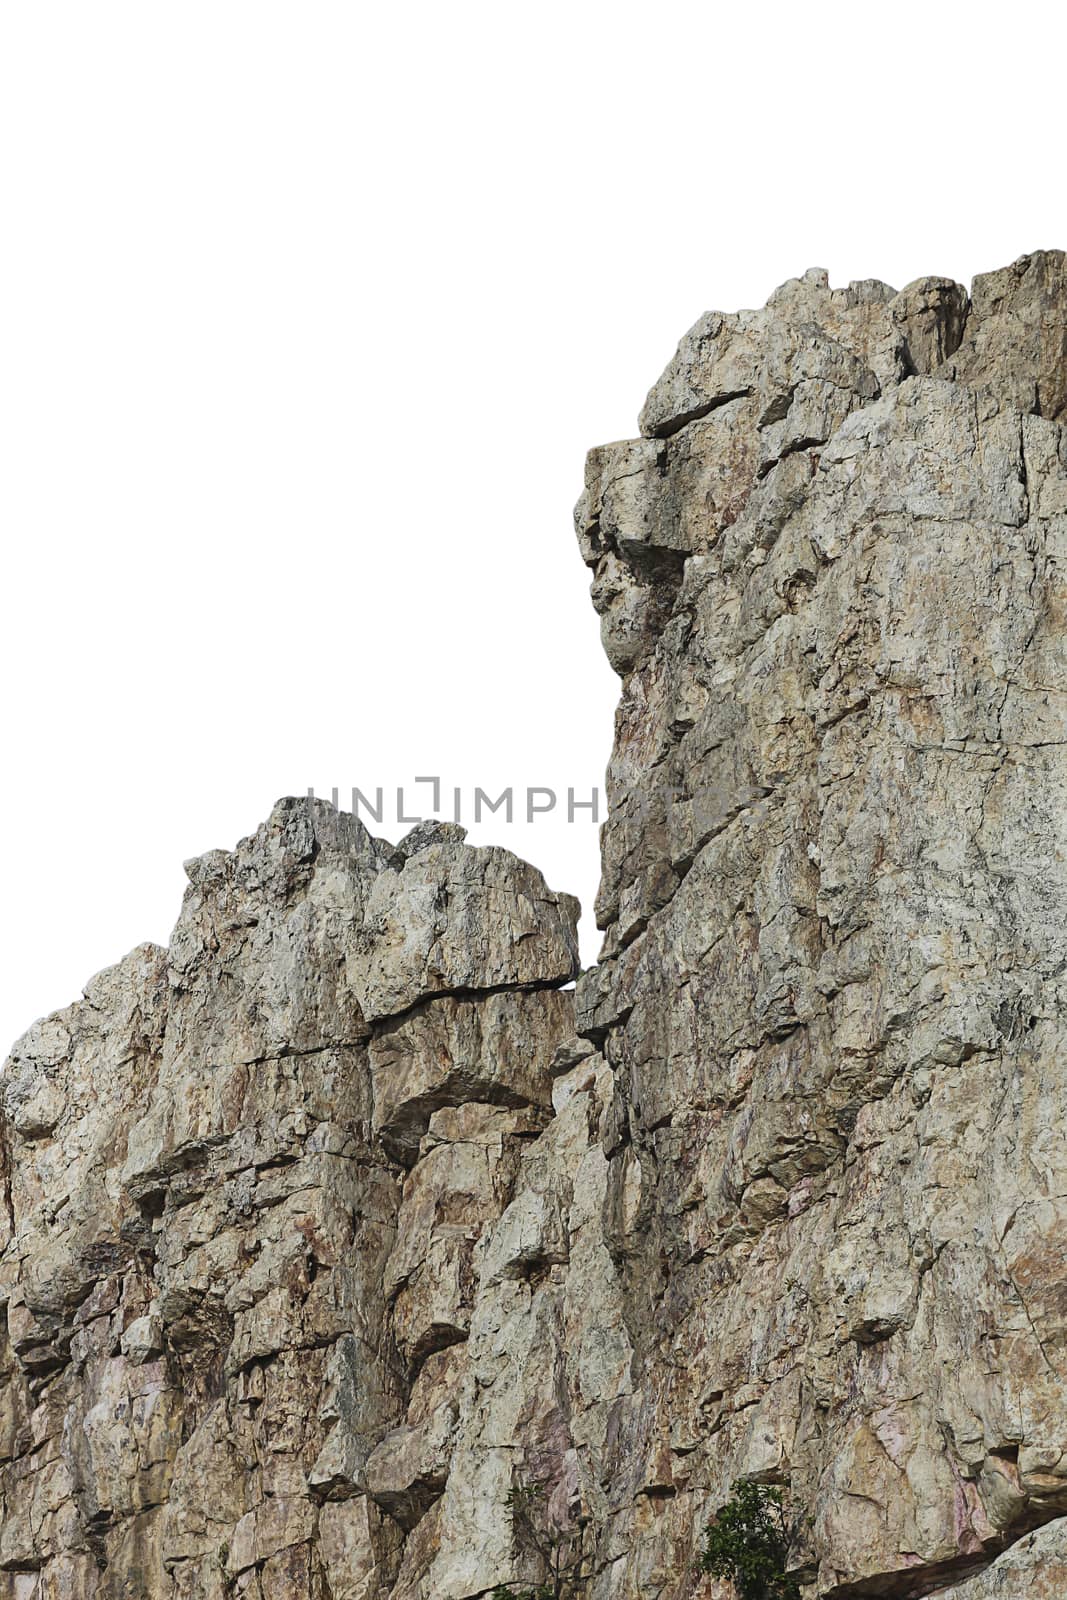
x,y
834,897
331,1223
234,1321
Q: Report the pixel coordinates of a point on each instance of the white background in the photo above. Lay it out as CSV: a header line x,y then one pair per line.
x,y
309,314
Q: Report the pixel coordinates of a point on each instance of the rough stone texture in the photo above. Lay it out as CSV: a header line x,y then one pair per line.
x,y
221,1286
833,900
325,1226
1033,1569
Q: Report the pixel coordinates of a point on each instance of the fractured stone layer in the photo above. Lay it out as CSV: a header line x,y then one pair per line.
x,y
330,1223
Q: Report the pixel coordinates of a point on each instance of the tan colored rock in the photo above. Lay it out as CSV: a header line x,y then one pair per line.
x,y
1033,1569
827,1028
200,1376
1015,338
461,1183
449,1052
323,1231
453,919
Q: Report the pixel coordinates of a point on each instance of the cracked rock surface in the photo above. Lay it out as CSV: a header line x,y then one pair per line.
x,y
233,1316
330,1223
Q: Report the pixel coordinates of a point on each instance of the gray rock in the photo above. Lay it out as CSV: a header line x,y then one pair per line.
x,y
328,1226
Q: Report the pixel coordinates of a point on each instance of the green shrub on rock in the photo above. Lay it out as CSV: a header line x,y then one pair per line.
x,y
559,1548
748,1543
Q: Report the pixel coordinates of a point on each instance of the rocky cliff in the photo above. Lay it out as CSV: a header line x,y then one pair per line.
x,y
329,1225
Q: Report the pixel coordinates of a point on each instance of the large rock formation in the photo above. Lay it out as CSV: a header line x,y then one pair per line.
x,y
332,1223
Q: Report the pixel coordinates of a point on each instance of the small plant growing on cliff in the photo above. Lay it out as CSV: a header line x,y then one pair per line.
x,y
748,1543
561,1548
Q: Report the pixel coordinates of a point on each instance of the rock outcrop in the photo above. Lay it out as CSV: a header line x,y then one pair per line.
x,y
332,1223
246,1178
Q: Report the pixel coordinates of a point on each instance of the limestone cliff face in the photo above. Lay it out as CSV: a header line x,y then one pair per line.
x,y
329,1224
